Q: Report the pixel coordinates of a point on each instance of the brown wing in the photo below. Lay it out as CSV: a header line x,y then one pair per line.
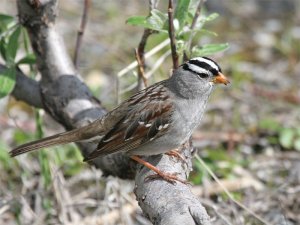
x,y
147,117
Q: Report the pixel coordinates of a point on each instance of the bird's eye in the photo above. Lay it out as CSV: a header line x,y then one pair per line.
x,y
203,75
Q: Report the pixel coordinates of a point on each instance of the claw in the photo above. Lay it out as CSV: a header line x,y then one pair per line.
x,y
169,177
159,174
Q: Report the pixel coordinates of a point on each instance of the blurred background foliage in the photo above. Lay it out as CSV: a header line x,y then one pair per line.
x,y
251,128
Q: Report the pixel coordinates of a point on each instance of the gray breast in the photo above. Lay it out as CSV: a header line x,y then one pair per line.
x,y
188,116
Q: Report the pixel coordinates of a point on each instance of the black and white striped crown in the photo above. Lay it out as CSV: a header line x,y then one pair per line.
x,y
202,65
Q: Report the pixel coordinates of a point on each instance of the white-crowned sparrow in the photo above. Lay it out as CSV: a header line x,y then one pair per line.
x,y
153,121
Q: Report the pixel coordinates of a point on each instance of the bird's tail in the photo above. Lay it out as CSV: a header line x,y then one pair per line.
x,y
79,134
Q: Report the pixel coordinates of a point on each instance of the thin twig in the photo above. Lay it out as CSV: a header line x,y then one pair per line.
x,y
143,42
140,57
140,52
228,193
185,57
153,51
141,69
172,35
197,14
154,67
80,33
192,27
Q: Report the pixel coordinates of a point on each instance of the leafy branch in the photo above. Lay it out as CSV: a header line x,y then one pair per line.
x,y
10,32
182,26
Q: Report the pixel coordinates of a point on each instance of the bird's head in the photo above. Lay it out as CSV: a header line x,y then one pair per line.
x,y
198,76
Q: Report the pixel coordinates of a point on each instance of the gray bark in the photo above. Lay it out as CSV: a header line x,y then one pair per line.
x,y
68,100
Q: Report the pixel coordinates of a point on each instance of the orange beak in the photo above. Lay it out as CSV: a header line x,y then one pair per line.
x,y
221,79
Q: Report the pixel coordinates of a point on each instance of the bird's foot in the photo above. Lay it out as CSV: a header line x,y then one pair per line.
x,y
159,174
169,177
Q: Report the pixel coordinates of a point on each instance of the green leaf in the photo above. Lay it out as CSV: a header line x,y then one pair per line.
x,y
286,137
6,21
137,20
208,32
158,15
189,18
210,17
156,21
209,49
28,59
3,47
26,40
13,44
7,81
200,23
181,12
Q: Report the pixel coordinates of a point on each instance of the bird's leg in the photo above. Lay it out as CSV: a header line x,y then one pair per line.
x,y
176,154
166,176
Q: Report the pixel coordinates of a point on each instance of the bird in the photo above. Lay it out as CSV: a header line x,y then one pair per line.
x,y
155,120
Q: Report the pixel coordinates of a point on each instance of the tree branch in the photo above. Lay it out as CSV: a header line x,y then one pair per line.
x,y
87,4
172,35
141,71
140,52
